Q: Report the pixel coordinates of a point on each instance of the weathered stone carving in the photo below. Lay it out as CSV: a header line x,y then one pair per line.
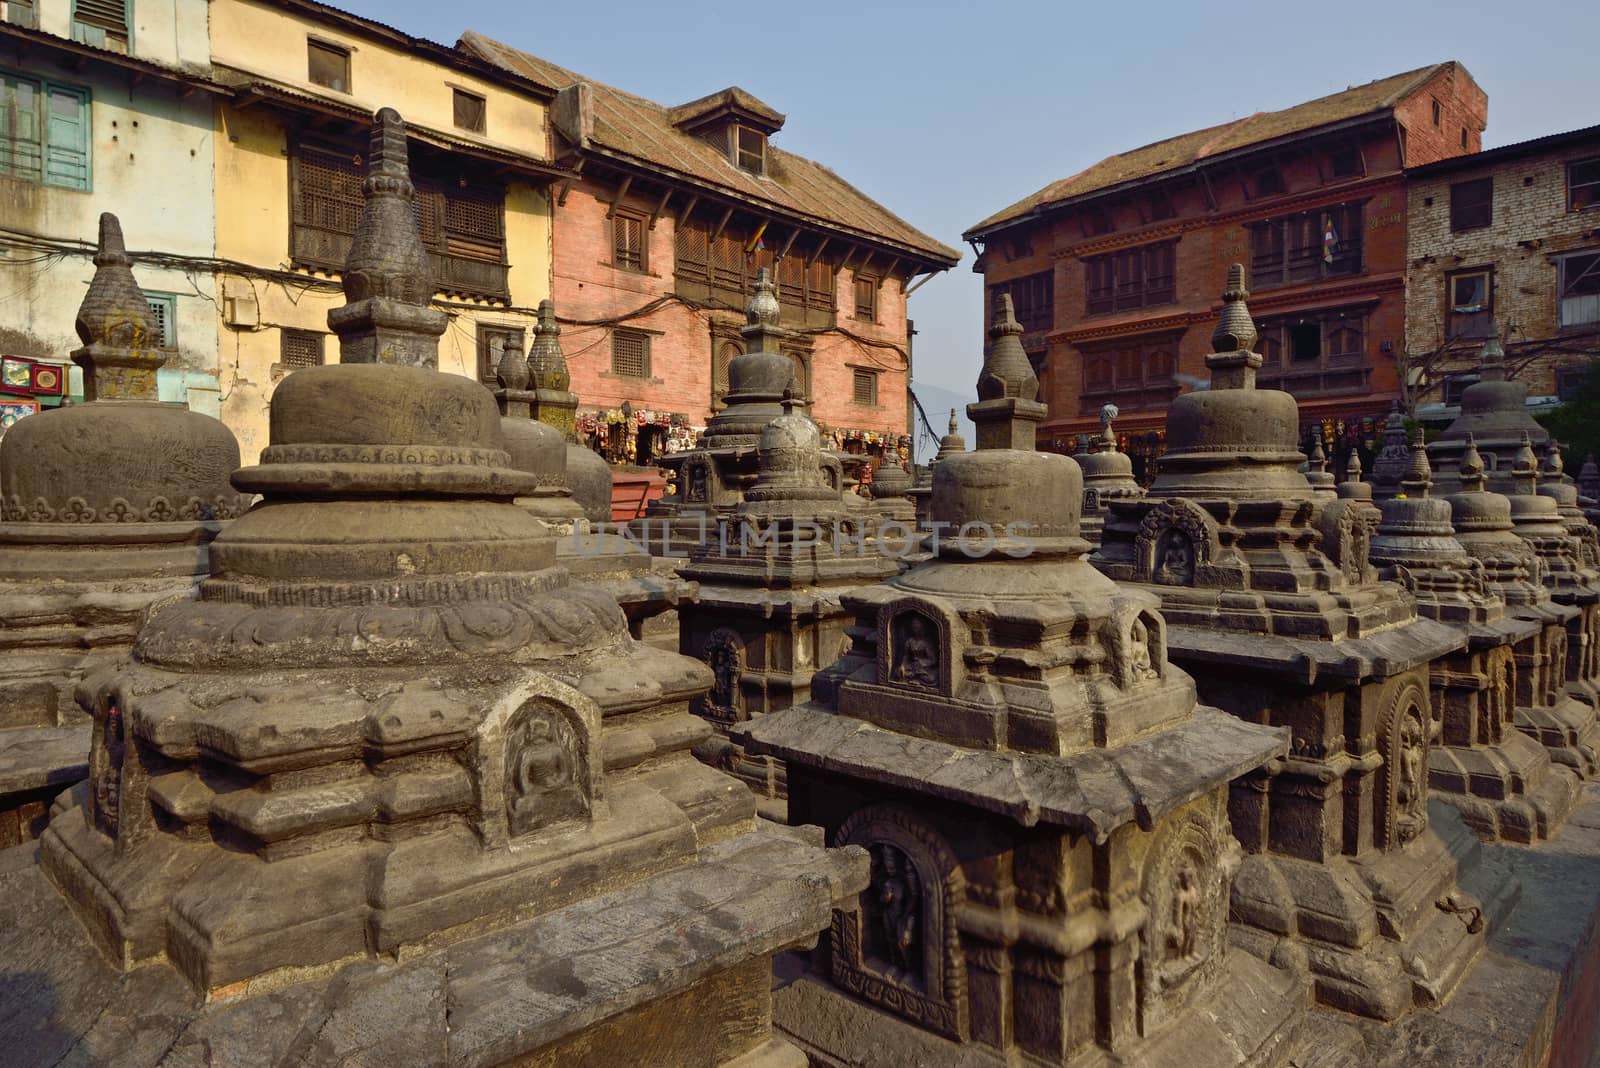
x,y
916,654
543,757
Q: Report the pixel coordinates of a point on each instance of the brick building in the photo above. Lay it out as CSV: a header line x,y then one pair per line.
x,y
1117,271
1506,240
659,239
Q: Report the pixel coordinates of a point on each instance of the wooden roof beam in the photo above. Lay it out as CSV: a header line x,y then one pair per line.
x,y
722,225
788,243
816,253
661,206
622,191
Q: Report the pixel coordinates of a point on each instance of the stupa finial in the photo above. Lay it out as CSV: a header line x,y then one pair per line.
x,y
1492,359
1553,469
1525,467
1469,469
952,429
1233,359
761,331
1418,477
121,344
547,364
1006,370
1108,437
1319,459
512,370
1352,467
388,315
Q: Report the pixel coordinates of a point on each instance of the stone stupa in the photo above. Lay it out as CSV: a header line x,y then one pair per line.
x,y
1044,803
1107,476
108,508
768,614
395,788
921,491
1501,780
554,403
1347,876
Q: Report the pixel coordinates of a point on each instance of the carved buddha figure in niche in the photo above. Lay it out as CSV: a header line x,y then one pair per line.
x,y
542,774
893,902
722,653
916,655
699,478
1174,561
1184,937
1411,792
108,780
1139,662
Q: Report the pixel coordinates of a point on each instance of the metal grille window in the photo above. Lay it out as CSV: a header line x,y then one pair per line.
x,y
628,249
19,13
1580,290
1306,246
492,342
328,65
864,386
44,132
1032,300
867,299
1132,278
630,353
164,307
470,110
1472,204
101,23
301,348
1583,184
1471,304
750,150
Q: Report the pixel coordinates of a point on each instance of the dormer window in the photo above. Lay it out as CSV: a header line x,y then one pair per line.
x,y
750,150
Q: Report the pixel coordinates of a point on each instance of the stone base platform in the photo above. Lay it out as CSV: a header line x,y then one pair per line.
x,y
36,764
673,970
1256,1019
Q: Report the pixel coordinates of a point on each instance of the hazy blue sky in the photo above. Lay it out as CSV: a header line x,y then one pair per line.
x,y
945,112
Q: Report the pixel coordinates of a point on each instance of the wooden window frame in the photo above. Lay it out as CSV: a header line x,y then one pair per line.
x,y
1590,186
164,308
742,155
489,355
1463,324
287,337
637,260
1334,370
1134,372
24,13
1141,276
626,335
1032,300
720,271
1438,113
47,158
1287,250
94,24
1470,209
868,377
1589,275
315,45
458,96
868,284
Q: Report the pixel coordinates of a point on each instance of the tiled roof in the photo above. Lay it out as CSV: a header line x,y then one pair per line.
x,y
1187,149
640,129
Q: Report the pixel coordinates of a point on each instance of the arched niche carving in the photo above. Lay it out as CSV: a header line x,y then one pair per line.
x,y
1555,666
916,648
1500,675
1138,641
899,947
1405,733
724,653
537,760
699,481
1177,545
1188,873
1091,501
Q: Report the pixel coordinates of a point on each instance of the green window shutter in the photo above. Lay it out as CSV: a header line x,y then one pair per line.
x,y
67,144
21,153
102,23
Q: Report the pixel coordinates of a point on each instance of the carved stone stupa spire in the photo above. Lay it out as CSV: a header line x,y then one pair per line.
x,y
1233,359
387,317
121,345
553,401
1008,408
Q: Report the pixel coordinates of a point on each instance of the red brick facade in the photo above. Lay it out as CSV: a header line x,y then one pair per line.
x,y
1136,268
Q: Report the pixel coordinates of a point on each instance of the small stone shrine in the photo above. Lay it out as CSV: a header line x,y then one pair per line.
x,y
552,402
1344,877
710,479
890,491
394,788
1513,572
1044,803
108,508
1501,780
921,491
768,613
1107,476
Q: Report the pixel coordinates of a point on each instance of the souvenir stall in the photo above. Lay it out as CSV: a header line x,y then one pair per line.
x,y
1142,447
28,385
629,437
1342,435
874,446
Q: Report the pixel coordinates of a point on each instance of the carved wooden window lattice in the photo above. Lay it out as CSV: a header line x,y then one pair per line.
x,y
1306,246
1131,278
1032,300
721,270
1134,373
1315,353
462,227
628,242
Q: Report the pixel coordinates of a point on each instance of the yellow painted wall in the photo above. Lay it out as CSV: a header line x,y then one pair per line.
x,y
253,208
268,41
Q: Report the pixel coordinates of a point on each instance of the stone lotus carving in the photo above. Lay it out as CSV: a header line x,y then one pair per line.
x,y
157,510
899,948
